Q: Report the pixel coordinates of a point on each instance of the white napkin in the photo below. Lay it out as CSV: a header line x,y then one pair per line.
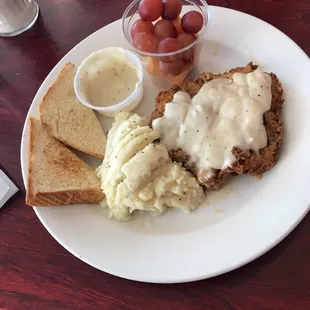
x,y
7,188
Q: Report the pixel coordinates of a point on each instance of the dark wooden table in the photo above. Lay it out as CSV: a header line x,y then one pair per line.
x,y
37,273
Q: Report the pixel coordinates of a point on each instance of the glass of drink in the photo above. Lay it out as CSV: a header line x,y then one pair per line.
x,y
17,16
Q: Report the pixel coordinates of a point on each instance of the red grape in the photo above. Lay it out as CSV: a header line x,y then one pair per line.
x,y
186,39
145,42
142,26
192,22
189,55
171,9
169,45
150,9
164,29
171,68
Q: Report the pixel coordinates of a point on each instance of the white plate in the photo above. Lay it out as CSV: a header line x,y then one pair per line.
x,y
238,223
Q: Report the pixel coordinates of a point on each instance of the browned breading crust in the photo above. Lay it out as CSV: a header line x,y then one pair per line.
x,y
247,162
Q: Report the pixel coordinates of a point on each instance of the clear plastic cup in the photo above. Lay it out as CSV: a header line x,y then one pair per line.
x,y
151,61
17,16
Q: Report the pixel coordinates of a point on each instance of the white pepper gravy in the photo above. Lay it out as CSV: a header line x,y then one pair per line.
x,y
224,113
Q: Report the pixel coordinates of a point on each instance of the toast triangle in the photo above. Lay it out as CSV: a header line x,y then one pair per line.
x,y
56,176
68,120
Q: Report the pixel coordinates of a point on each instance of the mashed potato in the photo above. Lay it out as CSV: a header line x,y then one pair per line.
x,y
137,173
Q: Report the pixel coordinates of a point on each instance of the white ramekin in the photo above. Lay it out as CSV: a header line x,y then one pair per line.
x,y
130,102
